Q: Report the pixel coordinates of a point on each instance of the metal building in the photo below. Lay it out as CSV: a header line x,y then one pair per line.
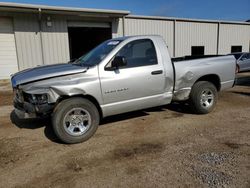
x,y
32,35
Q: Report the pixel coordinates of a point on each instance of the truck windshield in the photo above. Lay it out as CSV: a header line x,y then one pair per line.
x,y
96,55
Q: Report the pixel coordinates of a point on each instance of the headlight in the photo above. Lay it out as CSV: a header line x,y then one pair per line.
x,y
37,98
18,94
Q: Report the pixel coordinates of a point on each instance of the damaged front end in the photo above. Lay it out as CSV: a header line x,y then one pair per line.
x,y
33,96
29,105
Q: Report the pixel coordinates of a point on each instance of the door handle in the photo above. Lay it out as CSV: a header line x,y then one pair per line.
x,y
157,72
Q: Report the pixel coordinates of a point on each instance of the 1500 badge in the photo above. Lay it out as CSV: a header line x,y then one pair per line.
x,y
115,91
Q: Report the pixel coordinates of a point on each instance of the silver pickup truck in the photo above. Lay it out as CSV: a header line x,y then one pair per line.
x,y
119,75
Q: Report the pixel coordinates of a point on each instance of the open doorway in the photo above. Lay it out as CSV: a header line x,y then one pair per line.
x,y
83,39
197,50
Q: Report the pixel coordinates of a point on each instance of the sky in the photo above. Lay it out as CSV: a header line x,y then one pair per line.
x,y
238,10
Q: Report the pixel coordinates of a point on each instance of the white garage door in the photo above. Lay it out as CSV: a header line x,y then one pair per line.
x,y
8,57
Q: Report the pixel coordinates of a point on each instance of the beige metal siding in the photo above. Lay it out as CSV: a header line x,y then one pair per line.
x,y
195,34
154,27
117,28
234,35
8,56
28,44
55,41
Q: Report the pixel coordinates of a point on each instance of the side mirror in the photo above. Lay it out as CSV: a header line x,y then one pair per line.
x,y
118,61
72,60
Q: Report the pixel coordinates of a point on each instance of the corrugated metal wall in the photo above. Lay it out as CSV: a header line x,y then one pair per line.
x,y
28,40
55,41
117,28
237,35
148,26
35,48
8,56
195,34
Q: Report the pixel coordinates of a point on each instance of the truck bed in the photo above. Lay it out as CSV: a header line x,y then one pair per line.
x,y
183,58
188,70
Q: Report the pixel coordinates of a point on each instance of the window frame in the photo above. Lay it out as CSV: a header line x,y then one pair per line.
x,y
143,39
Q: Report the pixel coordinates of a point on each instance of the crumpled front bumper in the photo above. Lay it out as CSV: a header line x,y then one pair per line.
x,y
23,115
25,110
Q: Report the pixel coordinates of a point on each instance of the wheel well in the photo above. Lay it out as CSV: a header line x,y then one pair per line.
x,y
89,97
213,78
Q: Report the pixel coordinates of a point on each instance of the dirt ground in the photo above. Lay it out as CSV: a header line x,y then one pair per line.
x,y
161,147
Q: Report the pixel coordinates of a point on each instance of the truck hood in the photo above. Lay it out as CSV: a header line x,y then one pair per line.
x,y
45,72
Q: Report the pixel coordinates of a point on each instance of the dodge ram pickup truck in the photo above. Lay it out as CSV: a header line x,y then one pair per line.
x,y
120,75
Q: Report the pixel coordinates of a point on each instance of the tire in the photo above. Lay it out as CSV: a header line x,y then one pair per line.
x,y
75,120
203,97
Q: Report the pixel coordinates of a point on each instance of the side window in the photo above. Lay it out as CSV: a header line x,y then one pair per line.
x,y
244,57
139,53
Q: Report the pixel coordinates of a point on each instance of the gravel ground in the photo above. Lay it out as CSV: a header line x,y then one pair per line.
x,y
161,147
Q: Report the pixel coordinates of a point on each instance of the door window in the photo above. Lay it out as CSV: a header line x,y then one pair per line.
x,y
139,53
245,57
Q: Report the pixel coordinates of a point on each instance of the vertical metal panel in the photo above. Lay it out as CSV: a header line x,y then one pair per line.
x,y
26,30
55,40
141,26
195,34
8,56
234,35
117,30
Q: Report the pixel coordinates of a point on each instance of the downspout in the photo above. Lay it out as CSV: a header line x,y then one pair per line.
x,y
123,26
40,32
218,38
174,40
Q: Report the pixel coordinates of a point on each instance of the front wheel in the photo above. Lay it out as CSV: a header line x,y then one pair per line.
x,y
75,120
203,97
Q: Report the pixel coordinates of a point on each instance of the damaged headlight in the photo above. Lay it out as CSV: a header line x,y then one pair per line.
x,y
18,94
37,98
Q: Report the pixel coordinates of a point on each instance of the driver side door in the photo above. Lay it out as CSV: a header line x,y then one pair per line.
x,y
140,84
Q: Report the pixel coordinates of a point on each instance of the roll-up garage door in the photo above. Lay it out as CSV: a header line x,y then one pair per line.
x,y
8,56
84,36
89,24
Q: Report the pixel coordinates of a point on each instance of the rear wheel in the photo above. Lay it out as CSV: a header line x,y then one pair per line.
x,y
203,97
75,120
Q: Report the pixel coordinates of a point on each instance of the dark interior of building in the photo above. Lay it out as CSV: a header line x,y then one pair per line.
x,y
83,39
197,50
